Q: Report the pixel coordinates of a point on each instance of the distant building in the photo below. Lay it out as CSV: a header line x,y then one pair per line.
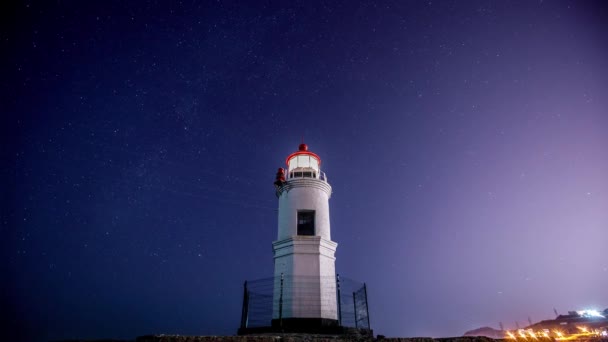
x,y
571,322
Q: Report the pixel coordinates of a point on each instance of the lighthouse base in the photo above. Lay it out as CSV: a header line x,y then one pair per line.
x,y
304,323
316,326
264,312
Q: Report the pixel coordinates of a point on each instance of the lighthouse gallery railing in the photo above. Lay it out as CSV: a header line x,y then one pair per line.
x,y
298,173
263,303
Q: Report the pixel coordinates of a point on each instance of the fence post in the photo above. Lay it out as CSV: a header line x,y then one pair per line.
x,y
245,311
366,305
339,301
281,303
355,307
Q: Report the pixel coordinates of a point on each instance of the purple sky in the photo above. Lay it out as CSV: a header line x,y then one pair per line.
x,y
466,143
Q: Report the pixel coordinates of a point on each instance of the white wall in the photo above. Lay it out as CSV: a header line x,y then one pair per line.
x,y
306,262
303,198
308,267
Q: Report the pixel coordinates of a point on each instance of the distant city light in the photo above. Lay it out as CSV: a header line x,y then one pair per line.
x,y
590,313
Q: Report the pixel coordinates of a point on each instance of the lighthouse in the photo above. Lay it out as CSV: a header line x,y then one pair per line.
x,y
305,295
304,255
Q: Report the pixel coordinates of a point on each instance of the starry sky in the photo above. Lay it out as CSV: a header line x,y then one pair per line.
x,y
465,141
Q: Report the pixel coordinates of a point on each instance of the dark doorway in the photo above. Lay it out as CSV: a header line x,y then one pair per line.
x,y
306,222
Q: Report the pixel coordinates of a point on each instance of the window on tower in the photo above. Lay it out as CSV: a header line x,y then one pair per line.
x,y
306,222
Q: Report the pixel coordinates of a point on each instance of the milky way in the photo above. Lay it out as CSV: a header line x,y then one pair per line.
x,y
466,144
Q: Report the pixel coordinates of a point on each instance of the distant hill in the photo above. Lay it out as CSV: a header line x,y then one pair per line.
x,y
487,332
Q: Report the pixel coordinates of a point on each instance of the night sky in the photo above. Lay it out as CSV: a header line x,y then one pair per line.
x,y
466,143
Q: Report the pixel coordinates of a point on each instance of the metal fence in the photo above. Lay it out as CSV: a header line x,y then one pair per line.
x,y
266,302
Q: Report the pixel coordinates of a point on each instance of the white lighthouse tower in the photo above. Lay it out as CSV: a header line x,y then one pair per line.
x,y
304,261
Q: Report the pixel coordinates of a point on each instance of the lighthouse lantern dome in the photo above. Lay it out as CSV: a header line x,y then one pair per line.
x,y
303,163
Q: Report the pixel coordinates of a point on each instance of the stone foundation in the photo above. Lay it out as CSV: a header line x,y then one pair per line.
x,y
303,338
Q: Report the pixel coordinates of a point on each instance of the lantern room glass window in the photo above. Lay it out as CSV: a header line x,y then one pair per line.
x,y
304,161
306,222
314,163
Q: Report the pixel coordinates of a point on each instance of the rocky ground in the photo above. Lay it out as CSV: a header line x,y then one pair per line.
x,y
290,338
306,338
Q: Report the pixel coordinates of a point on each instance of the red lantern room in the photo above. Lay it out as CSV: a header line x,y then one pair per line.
x,y
304,163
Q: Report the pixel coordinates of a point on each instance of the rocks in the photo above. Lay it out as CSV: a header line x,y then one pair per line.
x,y
302,338
178,338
